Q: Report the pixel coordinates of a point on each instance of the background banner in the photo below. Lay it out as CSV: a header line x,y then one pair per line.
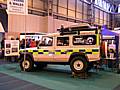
x,y
17,7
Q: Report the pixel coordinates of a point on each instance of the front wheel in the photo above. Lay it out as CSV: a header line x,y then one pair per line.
x,y
78,65
27,64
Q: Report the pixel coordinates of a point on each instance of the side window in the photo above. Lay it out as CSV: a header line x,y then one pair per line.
x,y
62,41
84,40
30,43
46,41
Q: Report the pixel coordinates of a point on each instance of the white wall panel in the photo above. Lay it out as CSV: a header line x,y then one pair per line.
x,y
16,23
55,2
79,16
3,1
105,18
101,15
58,23
101,22
79,6
96,21
108,19
85,9
71,4
62,11
71,13
63,3
84,17
29,3
54,8
38,4
96,13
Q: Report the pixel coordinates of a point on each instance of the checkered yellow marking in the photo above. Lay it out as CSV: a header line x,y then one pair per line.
x,y
75,50
69,53
40,50
57,53
35,53
95,52
21,50
98,41
30,50
61,52
45,53
88,50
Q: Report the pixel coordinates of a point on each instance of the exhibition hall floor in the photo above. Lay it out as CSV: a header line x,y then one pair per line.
x,y
56,77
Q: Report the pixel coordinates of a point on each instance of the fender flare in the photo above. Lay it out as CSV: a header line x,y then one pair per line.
x,y
78,54
27,55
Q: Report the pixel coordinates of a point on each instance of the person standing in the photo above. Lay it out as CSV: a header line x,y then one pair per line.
x,y
33,43
2,46
2,43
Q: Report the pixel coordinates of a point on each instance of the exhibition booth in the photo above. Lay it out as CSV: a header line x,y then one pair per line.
x,y
110,48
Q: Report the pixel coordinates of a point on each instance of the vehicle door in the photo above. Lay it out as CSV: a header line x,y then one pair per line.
x,y
45,49
86,44
62,44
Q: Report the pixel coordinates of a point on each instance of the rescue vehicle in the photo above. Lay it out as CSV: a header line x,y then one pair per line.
x,y
77,46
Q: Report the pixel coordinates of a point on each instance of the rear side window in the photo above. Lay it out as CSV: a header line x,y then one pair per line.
x,y
46,41
84,40
62,41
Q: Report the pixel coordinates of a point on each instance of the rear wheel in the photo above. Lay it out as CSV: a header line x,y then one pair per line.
x,y
78,64
27,64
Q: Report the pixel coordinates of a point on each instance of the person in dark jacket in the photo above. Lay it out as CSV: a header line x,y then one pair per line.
x,y
2,46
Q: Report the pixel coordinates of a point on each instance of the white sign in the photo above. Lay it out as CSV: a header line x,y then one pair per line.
x,y
11,47
17,6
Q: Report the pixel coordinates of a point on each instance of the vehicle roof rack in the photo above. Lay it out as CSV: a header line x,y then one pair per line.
x,y
75,30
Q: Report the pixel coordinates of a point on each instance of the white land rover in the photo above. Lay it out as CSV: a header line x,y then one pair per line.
x,y
77,46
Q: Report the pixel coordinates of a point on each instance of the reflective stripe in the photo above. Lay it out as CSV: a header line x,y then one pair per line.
x,y
21,50
40,50
98,37
95,52
46,53
30,50
88,50
75,50
69,53
59,52
35,53
64,51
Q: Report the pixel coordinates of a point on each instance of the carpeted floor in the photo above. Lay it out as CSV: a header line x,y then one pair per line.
x,y
58,77
11,83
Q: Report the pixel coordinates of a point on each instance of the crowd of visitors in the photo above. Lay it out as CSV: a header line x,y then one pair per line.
x,y
30,43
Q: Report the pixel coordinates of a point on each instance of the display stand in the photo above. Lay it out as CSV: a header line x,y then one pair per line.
x,y
111,51
11,51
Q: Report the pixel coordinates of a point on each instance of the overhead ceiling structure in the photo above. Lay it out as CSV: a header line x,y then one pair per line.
x,y
115,1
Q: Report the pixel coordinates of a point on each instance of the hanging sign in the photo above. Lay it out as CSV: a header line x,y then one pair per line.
x,y
17,6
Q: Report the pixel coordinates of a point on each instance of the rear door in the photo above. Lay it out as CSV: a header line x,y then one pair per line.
x,y
45,49
87,44
62,45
